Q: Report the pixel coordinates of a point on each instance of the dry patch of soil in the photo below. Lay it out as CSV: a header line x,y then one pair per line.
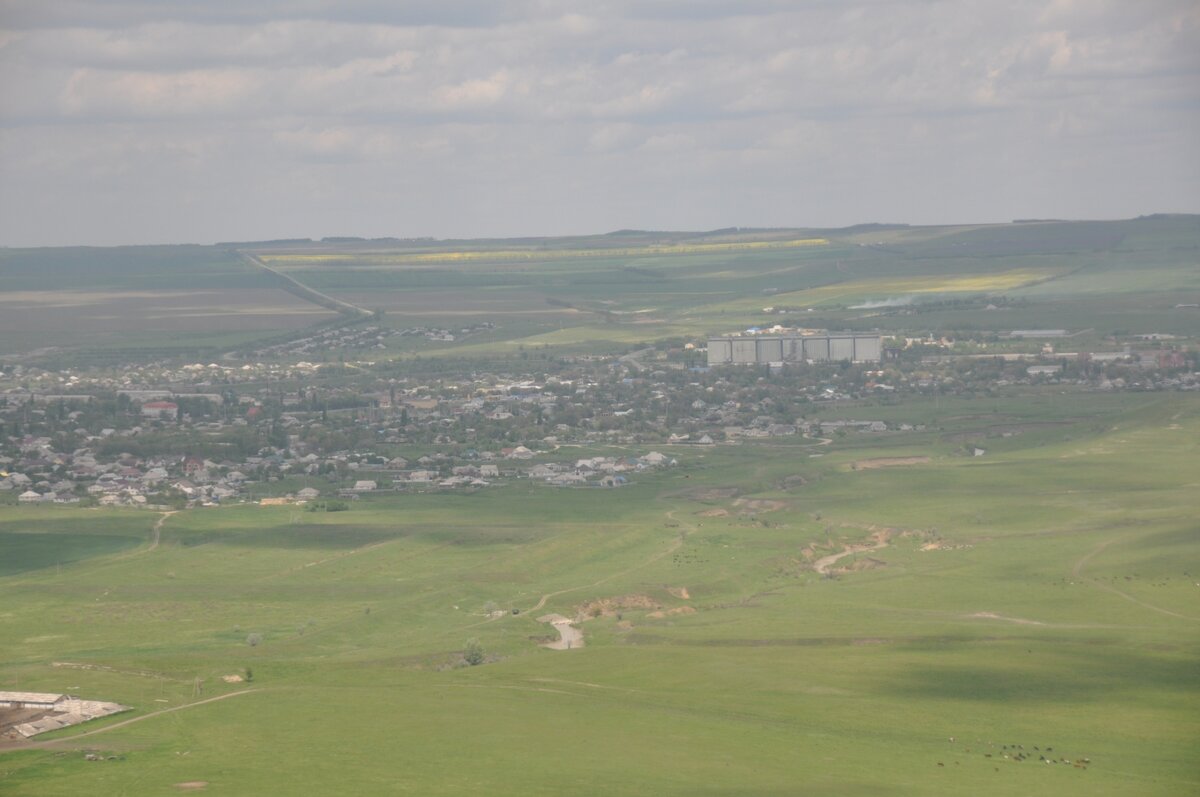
x,y
714,513
671,612
607,607
192,785
232,679
994,616
942,545
759,505
889,462
680,592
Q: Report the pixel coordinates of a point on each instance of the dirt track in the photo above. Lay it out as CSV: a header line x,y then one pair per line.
x,y
1077,572
823,564
570,637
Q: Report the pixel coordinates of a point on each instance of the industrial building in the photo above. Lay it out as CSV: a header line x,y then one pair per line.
x,y
765,349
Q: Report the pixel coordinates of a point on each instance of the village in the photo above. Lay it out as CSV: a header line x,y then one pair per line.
x,y
173,435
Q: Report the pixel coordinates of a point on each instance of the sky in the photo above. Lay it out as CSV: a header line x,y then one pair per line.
x,y
172,121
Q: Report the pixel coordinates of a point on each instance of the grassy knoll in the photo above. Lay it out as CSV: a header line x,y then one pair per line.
x,y
1041,596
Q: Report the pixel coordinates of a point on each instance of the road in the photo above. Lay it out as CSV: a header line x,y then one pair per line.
x,y
295,286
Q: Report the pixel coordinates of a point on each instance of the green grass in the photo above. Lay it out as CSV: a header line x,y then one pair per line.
x,y
1060,611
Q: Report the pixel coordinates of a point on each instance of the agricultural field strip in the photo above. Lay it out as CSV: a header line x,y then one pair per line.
x,y
401,258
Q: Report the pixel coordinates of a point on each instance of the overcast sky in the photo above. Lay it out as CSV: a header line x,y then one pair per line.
x,y
167,121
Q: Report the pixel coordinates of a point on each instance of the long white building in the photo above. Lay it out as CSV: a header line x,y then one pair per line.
x,y
763,349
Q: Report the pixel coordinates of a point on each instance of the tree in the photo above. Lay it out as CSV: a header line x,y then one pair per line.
x,y
253,640
473,652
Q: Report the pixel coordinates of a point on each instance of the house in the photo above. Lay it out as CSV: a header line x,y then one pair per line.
x,y
541,472
364,485
29,497
520,452
308,494
489,471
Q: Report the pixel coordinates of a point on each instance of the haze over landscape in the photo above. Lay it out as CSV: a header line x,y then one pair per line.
x,y
541,398
149,122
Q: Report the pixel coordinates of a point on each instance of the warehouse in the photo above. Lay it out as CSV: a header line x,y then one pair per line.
x,y
764,349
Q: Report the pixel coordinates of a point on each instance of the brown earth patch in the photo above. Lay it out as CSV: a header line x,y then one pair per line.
x,y
671,612
792,482
192,785
607,607
759,505
680,592
889,462
232,679
714,513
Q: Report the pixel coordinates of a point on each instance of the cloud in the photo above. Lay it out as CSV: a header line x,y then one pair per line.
x,y
538,116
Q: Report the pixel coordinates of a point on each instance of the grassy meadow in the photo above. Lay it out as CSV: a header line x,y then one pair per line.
x,y
1041,601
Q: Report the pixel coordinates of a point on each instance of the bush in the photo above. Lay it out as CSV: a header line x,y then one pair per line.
x,y
254,640
473,653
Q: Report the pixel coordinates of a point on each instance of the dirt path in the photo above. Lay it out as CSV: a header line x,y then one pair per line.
x,y
1077,572
158,524
72,739
823,564
570,637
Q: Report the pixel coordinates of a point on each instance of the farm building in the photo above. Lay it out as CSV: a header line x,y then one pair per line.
x,y
44,701
763,349
160,409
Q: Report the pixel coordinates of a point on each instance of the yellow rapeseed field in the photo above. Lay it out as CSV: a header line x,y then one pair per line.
x,y
468,256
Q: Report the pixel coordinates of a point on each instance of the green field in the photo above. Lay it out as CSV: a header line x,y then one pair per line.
x,y
1118,276
1046,595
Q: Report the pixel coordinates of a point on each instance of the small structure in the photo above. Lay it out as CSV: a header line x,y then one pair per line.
x,y
160,409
